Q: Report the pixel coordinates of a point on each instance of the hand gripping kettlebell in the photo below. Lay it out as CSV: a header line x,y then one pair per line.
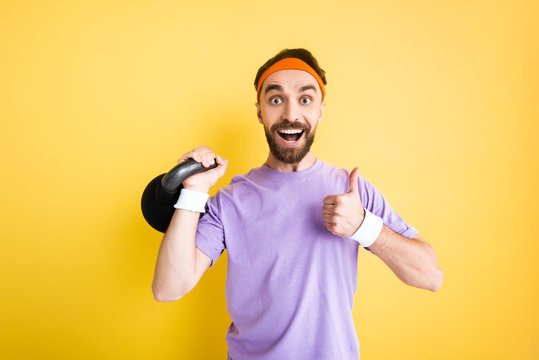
x,y
162,193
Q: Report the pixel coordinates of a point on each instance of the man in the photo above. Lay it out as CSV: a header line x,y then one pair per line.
x,y
292,229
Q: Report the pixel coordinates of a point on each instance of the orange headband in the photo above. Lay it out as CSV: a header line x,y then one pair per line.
x,y
289,64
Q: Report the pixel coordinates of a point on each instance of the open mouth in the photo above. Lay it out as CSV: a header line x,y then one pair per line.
x,y
291,136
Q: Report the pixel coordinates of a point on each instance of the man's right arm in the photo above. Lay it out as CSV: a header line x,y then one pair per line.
x,y
180,264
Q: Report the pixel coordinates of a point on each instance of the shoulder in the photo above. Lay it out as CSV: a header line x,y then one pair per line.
x,y
342,175
238,184
331,170
242,181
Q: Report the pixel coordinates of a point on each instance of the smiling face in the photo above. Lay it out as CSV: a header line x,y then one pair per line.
x,y
290,107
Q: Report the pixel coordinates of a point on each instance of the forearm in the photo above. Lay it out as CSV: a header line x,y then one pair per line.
x,y
176,260
412,260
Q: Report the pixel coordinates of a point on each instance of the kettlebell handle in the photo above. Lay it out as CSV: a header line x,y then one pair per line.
x,y
179,173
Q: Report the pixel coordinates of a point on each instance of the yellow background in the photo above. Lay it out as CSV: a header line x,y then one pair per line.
x,y
435,101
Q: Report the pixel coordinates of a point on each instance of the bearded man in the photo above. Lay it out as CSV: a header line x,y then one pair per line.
x,y
292,229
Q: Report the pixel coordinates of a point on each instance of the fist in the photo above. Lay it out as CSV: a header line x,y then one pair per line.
x,y
204,181
344,213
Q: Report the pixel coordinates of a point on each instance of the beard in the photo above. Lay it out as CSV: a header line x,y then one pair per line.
x,y
285,154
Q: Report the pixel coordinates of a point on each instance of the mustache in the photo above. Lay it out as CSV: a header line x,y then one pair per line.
x,y
290,125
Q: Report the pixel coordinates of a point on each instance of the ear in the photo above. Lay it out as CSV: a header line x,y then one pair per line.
x,y
321,111
258,113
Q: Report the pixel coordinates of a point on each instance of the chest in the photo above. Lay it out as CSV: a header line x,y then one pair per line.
x,y
269,223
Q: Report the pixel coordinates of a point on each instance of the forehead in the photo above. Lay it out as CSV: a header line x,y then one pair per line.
x,y
290,79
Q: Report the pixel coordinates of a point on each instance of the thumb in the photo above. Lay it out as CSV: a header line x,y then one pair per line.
x,y
353,185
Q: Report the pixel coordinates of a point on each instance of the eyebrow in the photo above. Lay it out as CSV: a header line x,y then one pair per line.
x,y
307,87
274,87
280,88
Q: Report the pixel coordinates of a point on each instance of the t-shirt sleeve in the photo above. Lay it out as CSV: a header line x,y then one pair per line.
x,y
210,238
374,201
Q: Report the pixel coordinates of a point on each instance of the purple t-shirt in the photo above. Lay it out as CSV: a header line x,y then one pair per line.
x,y
290,282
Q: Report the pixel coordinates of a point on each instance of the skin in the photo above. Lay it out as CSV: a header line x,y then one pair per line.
x,y
287,96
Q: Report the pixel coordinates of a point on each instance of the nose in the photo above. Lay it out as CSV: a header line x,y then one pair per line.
x,y
291,111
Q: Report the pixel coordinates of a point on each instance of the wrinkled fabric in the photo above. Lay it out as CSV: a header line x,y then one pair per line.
x,y
290,282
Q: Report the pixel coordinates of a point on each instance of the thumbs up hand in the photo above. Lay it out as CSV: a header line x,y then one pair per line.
x,y
343,214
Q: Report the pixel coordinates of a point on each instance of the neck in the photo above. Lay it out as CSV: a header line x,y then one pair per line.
x,y
304,164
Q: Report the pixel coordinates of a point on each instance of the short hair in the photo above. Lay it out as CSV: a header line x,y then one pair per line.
x,y
300,53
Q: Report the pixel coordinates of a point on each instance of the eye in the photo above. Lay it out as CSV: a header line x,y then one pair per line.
x,y
275,101
305,100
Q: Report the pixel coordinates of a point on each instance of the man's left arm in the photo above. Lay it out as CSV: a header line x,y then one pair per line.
x,y
412,260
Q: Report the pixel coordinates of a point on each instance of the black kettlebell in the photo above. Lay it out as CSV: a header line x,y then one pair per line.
x,y
162,193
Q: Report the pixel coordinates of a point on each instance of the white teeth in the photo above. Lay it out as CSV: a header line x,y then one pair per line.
x,y
290,131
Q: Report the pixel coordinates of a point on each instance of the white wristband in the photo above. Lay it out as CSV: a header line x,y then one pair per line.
x,y
369,230
192,200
